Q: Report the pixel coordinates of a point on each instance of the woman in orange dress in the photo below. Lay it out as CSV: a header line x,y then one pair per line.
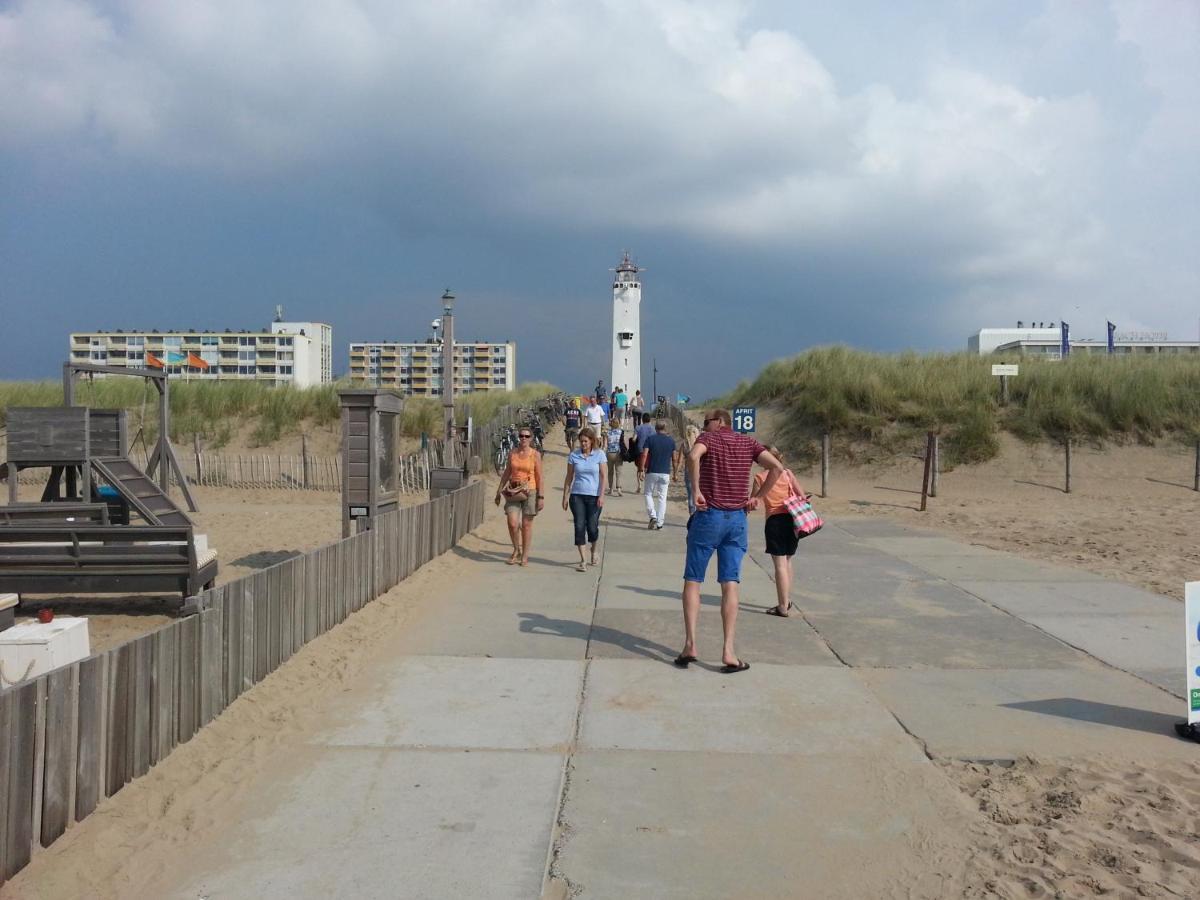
x,y
521,490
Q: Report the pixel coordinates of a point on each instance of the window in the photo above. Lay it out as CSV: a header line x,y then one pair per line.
x,y
209,340
285,370
286,341
246,356
172,343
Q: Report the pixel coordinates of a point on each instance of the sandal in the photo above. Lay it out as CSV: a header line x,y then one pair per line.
x,y
774,611
580,568
730,668
684,660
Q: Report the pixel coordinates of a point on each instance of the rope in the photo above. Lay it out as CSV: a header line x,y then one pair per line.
x,y
5,678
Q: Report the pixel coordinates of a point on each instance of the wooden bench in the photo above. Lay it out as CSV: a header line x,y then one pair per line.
x,y
54,514
99,559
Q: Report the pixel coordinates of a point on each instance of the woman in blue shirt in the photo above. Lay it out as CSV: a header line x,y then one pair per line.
x,y
583,492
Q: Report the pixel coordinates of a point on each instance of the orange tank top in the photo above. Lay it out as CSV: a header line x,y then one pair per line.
x,y
524,468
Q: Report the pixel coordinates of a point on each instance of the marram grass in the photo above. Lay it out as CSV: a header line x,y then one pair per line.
x,y
215,409
888,400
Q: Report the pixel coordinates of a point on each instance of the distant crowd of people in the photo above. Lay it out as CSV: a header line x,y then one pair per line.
x,y
606,431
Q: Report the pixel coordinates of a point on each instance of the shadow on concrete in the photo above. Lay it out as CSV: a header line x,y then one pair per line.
x,y
1100,713
537,623
501,556
669,595
264,559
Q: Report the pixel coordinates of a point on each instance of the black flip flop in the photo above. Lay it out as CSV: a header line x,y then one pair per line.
x,y
774,611
742,666
683,661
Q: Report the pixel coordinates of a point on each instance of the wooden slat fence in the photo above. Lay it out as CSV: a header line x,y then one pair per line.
x,y
74,736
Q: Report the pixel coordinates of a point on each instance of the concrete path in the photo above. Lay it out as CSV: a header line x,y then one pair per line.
x,y
533,738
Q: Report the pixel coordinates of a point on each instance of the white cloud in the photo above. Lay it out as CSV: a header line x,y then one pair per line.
x,y
674,115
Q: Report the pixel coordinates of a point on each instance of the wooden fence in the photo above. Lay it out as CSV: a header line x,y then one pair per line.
x,y
76,735
272,470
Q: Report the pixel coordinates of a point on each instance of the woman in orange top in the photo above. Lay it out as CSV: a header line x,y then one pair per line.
x,y
521,488
779,531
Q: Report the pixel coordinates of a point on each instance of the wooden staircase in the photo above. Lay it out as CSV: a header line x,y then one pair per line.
x,y
139,491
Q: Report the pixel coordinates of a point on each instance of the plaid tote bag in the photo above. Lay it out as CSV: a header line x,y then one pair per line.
x,y
804,517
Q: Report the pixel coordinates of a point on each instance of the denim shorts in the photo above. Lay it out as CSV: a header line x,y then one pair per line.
x,y
722,530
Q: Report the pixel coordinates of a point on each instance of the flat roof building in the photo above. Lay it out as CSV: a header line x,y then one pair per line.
x,y
414,368
299,354
1045,342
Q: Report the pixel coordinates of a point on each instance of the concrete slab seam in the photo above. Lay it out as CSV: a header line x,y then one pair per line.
x,y
561,831
1065,642
828,646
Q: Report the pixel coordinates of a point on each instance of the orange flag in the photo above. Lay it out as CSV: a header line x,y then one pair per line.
x,y
153,361
195,362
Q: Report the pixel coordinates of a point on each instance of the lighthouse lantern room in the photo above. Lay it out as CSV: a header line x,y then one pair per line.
x,y
627,336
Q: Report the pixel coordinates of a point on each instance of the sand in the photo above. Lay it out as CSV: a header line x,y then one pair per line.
x,y
1131,515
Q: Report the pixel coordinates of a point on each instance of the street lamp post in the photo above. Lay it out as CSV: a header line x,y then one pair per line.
x,y
448,375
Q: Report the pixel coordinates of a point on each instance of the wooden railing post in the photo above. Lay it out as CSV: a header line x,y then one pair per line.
x,y
928,466
1067,448
825,464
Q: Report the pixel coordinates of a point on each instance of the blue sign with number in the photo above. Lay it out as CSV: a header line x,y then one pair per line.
x,y
743,419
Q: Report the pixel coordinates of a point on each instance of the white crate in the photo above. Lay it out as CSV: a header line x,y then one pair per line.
x,y
31,648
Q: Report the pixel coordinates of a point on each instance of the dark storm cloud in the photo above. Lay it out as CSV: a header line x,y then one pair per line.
x,y
789,175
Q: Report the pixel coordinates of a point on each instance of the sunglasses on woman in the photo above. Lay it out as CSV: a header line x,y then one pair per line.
x,y
524,436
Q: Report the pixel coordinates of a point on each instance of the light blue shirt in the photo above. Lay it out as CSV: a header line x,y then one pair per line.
x,y
587,472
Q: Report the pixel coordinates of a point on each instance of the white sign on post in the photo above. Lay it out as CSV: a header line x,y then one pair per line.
x,y
1191,605
1005,370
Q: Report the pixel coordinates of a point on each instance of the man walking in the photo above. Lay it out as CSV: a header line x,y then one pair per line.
x,y
622,401
719,463
656,462
573,421
594,415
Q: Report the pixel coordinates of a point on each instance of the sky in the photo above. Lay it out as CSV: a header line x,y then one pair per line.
x,y
885,175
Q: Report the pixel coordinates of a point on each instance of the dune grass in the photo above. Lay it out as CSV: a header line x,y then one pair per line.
x,y
216,409
886,401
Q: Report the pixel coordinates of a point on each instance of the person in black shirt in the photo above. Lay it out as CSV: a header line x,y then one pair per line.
x,y
573,418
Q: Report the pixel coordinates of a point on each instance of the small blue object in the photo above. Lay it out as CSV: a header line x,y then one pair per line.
x,y
743,419
108,493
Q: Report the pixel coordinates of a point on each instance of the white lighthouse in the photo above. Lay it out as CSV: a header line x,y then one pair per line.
x,y
627,330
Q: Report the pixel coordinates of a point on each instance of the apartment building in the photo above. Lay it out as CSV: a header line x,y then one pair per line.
x,y
293,353
415,369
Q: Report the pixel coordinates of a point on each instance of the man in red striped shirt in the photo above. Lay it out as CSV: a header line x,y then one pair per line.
x,y
719,463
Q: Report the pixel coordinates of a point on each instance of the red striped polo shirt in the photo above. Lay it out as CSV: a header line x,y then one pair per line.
x,y
725,467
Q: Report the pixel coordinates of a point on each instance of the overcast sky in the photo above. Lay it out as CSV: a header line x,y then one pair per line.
x,y
886,175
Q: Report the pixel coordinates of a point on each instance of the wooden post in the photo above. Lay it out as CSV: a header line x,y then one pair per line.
x,y
1067,447
1004,390
304,454
199,461
928,467
936,445
825,465
1196,476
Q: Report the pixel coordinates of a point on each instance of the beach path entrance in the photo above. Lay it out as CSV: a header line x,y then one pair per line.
x,y
525,733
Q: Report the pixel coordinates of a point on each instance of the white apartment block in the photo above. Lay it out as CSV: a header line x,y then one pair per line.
x,y
415,369
290,353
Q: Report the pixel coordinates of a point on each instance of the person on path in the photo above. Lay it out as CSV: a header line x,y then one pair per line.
x,y
521,489
615,448
583,492
642,431
657,454
779,530
594,415
679,465
622,401
720,461
572,422
637,406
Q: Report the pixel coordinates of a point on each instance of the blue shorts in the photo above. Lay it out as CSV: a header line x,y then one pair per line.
x,y
722,530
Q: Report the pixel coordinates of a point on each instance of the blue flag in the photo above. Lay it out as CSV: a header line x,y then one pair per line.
x,y
1112,347
1066,339
681,399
